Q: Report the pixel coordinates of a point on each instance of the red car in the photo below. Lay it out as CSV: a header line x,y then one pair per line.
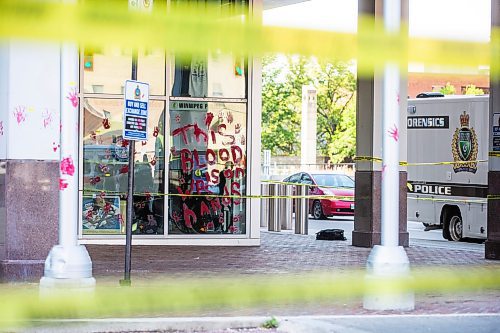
x,y
339,185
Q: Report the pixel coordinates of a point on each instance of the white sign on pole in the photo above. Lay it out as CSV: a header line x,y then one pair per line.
x,y
135,112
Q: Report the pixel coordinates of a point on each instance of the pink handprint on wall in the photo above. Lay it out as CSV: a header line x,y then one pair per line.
x,y
20,114
73,97
47,118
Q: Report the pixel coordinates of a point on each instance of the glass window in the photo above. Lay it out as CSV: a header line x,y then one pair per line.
x,y
107,69
105,170
334,180
207,162
294,178
216,75
306,179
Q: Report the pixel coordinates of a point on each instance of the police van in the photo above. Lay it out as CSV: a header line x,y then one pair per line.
x,y
447,164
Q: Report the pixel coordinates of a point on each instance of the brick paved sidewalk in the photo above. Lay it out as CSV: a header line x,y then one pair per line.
x,y
286,253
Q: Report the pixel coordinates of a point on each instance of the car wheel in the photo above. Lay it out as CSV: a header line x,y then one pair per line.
x,y
455,227
317,212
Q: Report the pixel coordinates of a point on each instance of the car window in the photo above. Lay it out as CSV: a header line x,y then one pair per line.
x,y
293,178
344,181
306,179
334,180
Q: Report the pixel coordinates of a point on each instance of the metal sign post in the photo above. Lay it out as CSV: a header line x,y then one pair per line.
x,y
135,120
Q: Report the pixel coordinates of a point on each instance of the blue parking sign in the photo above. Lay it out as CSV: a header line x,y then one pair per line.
x,y
135,112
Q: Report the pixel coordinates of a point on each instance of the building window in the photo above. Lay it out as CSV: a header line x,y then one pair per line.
x,y
208,163
197,123
105,170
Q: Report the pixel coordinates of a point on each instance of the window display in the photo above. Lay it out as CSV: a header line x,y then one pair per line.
x,y
105,170
207,168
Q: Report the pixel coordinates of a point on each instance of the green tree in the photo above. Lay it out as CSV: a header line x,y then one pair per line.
x,y
336,86
283,79
448,89
473,90
280,117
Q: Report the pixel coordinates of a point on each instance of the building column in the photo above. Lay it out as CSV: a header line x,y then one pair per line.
x,y
29,167
367,215
492,245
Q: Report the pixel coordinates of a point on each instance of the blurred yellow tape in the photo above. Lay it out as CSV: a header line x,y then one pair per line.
x,y
96,193
404,163
197,30
171,296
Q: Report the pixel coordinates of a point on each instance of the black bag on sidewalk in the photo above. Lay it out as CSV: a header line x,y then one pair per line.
x,y
330,234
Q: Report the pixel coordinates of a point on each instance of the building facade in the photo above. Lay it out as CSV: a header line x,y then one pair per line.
x,y
203,140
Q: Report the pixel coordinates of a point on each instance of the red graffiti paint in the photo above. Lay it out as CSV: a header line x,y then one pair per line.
x,y
62,184
186,160
189,216
144,143
156,131
237,128
184,194
215,203
104,168
107,208
67,166
153,161
95,180
176,216
230,118
105,123
204,210
208,119
199,132
89,215
125,143
124,169
183,132
235,190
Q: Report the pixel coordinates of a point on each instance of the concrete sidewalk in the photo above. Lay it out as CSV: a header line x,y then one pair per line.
x,y
290,254
286,254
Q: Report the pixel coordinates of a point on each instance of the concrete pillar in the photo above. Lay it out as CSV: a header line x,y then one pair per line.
x,y
29,157
492,245
367,215
308,131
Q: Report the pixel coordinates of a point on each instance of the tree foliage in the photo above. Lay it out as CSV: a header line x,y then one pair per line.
x,y
448,89
282,100
473,90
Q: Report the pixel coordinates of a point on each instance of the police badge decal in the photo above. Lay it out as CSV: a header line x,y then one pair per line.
x,y
464,147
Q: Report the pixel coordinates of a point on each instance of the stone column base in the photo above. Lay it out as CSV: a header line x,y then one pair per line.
x,y
21,270
367,215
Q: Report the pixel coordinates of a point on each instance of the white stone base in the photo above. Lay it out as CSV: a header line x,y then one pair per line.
x,y
383,264
51,286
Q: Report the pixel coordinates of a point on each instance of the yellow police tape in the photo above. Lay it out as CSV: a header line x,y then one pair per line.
x,y
191,297
404,163
198,29
150,195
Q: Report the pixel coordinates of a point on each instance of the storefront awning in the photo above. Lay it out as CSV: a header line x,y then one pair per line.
x,y
269,4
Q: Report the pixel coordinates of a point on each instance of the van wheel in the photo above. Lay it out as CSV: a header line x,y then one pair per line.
x,y
453,228
317,212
